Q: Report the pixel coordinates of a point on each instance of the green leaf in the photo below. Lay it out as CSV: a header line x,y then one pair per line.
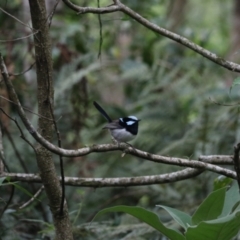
x,y
211,207
219,229
231,199
145,216
236,81
222,181
2,179
182,218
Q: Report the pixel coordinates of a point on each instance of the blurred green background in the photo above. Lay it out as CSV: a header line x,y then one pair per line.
x,y
171,88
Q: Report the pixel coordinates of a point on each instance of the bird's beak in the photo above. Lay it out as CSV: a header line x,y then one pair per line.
x,y
139,120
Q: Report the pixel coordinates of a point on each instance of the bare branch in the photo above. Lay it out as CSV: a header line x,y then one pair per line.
x,y
26,204
111,182
17,39
20,130
10,15
17,153
27,109
50,16
8,201
100,33
21,73
118,6
81,10
224,104
217,159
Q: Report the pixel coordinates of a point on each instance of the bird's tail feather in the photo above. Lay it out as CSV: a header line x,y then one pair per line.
x,y
99,108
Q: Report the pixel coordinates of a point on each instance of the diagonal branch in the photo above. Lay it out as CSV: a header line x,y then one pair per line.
x,y
118,6
18,20
28,110
32,199
20,130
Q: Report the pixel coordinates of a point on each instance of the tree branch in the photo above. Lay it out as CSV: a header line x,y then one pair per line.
x,y
32,199
113,182
18,20
102,10
118,6
217,159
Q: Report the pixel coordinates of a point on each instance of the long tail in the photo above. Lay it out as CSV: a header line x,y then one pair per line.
x,y
99,108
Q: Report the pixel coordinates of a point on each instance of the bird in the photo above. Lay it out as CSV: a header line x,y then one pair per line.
x,y
123,129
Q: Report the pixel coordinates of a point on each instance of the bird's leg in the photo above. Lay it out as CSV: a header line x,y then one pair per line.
x,y
115,141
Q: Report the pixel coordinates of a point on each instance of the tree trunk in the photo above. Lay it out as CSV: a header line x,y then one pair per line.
x,y
235,34
45,100
176,13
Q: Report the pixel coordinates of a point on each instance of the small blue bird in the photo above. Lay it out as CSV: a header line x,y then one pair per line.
x,y
123,129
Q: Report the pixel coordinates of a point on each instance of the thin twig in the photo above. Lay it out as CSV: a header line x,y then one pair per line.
x,y
18,39
27,109
10,15
19,128
9,201
50,16
2,157
21,73
16,150
224,104
100,32
26,204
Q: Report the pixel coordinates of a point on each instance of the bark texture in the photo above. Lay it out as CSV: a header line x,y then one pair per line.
x,y
45,104
176,13
235,34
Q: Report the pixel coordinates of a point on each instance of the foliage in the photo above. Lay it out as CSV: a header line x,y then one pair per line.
x,y
217,217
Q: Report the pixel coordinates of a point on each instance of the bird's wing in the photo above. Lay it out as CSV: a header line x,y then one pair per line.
x,y
113,125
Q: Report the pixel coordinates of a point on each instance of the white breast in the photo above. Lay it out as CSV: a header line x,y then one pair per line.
x,y
121,135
